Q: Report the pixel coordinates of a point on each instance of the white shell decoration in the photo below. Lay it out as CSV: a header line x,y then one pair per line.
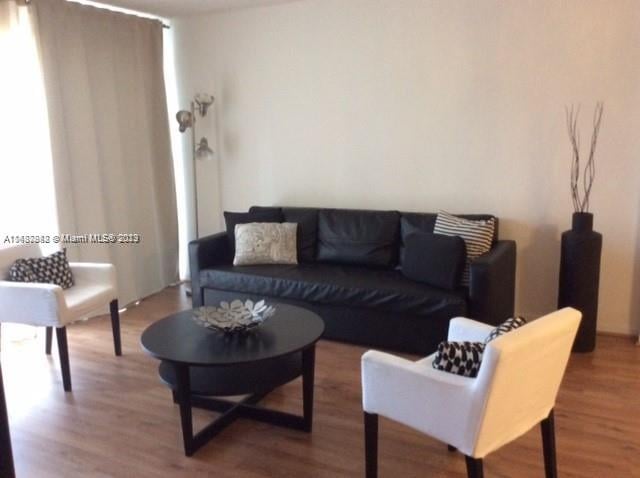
x,y
236,316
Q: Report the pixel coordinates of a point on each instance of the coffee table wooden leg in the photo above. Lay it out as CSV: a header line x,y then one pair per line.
x,y
183,392
308,372
243,409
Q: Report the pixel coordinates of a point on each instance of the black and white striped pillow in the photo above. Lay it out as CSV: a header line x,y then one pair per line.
x,y
477,236
460,358
508,325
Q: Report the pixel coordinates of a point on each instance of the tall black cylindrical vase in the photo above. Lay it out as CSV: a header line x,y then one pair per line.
x,y
580,276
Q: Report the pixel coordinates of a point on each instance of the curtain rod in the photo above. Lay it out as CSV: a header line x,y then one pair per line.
x,y
164,25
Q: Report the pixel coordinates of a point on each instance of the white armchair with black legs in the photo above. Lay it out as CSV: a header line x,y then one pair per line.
x,y
50,306
515,390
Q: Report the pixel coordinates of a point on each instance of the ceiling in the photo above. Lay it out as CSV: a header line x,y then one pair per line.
x,y
176,8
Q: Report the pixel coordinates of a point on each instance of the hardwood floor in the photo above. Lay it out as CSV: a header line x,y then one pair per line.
x,y
120,420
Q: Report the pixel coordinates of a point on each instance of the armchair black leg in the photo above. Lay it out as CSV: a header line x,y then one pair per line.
x,y
115,326
547,427
48,340
63,350
474,467
371,444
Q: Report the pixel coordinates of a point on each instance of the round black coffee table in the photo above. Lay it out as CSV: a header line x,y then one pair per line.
x,y
197,363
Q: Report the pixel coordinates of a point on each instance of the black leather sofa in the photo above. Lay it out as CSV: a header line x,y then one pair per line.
x,y
348,274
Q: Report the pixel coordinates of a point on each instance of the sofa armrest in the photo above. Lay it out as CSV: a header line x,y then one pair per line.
x,y
209,251
31,303
492,284
91,273
415,394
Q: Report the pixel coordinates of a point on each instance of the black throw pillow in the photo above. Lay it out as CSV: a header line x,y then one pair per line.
x,y
233,218
434,259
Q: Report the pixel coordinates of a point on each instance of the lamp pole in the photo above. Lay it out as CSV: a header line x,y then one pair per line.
x,y
195,176
187,119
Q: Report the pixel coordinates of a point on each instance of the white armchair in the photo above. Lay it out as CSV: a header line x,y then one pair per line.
x,y
515,389
50,306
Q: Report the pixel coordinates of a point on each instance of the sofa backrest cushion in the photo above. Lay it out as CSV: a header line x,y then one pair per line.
x,y
308,231
307,220
412,222
358,237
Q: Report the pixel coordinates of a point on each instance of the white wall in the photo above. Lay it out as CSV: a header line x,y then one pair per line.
x,y
421,105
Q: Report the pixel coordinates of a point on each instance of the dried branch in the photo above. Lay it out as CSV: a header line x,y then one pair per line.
x,y
590,168
589,173
574,137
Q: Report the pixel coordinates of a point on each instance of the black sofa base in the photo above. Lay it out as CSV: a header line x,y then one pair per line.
x,y
369,327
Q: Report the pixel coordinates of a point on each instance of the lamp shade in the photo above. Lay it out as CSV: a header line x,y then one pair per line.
x,y
203,100
185,119
203,151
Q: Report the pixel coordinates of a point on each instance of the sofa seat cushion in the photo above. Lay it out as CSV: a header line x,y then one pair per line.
x,y
339,285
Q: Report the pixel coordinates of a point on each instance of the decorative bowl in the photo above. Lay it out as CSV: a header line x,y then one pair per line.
x,y
236,316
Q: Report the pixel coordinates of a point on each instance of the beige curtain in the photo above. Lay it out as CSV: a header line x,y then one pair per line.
x,y
110,142
8,15
25,158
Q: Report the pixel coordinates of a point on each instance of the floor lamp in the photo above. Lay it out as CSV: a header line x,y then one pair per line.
x,y
199,151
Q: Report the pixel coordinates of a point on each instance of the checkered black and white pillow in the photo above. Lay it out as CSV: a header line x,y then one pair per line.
x,y
506,326
460,358
21,271
52,269
465,358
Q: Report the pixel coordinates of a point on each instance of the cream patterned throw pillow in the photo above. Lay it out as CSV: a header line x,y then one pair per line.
x,y
266,243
